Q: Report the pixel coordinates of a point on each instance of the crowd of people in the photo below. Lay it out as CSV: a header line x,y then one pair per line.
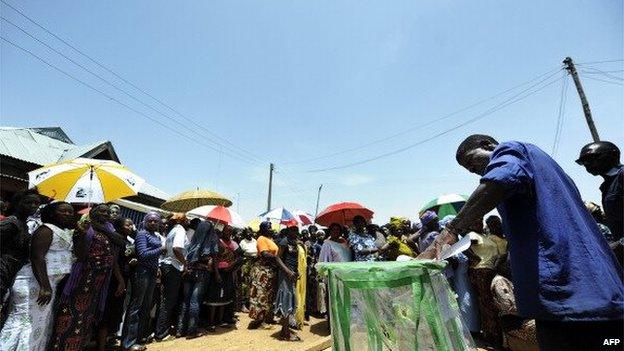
x,y
100,280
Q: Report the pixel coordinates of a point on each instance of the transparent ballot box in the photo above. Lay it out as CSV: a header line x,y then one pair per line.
x,y
394,306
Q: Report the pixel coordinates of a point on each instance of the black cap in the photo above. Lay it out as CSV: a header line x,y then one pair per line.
x,y
597,148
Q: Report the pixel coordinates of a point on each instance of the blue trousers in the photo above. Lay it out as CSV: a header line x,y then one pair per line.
x,y
194,291
137,315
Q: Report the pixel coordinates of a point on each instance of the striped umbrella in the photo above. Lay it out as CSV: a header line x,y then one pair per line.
x,y
85,180
445,205
219,214
279,214
303,217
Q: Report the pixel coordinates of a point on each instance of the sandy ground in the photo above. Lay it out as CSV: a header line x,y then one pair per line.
x,y
240,338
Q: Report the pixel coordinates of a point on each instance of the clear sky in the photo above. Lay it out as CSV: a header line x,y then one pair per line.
x,y
289,81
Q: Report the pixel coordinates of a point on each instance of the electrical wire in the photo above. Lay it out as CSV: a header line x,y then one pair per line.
x,y
99,64
603,73
560,114
500,106
410,129
110,97
597,62
604,80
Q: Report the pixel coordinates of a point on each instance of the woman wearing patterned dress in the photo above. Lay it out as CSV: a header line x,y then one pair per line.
x,y
29,321
263,278
85,292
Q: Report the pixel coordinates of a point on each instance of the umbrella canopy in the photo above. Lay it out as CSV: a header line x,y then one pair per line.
x,y
343,213
191,199
445,205
219,214
85,180
303,217
254,224
279,214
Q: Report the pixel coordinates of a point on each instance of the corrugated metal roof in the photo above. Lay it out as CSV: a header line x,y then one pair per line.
x,y
27,145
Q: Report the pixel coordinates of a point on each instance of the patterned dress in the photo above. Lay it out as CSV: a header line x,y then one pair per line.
x,y
78,311
263,282
28,326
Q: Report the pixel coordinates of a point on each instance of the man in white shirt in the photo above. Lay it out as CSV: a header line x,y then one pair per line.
x,y
172,267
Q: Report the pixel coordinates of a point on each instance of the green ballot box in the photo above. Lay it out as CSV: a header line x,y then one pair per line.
x,y
379,306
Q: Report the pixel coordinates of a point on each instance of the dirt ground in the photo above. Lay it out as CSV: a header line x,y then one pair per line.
x,y
240,338
314,335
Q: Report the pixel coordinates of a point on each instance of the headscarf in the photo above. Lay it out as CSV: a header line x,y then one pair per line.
x,y
205,241
148,216
427,217
266,225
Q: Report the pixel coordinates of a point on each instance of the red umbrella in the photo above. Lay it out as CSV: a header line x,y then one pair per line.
x,y
343,213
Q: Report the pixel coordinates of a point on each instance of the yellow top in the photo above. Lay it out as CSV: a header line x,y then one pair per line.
x,y
487,249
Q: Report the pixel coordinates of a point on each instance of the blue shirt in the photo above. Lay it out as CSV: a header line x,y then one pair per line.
x,y
562,266
148,249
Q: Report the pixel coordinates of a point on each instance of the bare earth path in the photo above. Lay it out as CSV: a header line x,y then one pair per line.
x,y
314,335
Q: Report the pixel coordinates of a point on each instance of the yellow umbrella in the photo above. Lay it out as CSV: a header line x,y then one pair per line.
x,y
85,180
192,199
254,224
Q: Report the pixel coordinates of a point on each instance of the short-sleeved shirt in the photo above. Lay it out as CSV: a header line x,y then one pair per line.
x,y
175,239
266,244
359,242
562,267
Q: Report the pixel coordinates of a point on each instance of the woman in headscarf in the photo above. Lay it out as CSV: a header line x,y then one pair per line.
x,y
287,275
15,241
361,242
428,232
126,260
202,251
84,294
221,292
149,247
263,277
29,322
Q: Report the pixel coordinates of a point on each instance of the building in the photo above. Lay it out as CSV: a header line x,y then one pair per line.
x,y
25,149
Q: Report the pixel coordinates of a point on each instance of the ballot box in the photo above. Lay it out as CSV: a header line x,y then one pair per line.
x,y
394,306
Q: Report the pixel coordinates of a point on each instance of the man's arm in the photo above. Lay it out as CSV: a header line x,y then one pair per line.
x,y
484,199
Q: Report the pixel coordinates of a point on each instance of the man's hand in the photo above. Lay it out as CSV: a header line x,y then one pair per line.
x,y
433,251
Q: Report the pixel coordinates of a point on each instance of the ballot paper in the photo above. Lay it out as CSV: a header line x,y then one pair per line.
x,y
462,245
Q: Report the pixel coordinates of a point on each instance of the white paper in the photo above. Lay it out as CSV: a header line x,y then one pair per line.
x,y
459,247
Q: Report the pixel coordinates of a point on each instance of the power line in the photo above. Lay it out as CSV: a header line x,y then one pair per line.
x,y
604,80
215,135
406,131
113,85
603,73
560,114
594,62
458,126
110,97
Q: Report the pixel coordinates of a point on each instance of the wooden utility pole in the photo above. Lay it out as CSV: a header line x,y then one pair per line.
x,y
318,199
271,168
569,66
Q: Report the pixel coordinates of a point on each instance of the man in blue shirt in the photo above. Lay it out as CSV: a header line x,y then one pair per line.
x,y
565,275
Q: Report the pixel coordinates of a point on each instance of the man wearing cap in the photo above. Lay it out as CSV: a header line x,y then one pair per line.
x,y
564,273
603,158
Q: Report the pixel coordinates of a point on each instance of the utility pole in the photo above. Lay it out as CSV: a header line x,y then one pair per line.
x,y
318,198
271,168
569,66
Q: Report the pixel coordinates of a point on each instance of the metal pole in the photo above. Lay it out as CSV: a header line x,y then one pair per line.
x,y
271,168
318,198
569,66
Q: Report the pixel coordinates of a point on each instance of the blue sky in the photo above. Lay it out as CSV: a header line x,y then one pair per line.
x,y
293,80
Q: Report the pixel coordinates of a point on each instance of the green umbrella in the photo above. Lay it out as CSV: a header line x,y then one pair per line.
x,y
445,205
